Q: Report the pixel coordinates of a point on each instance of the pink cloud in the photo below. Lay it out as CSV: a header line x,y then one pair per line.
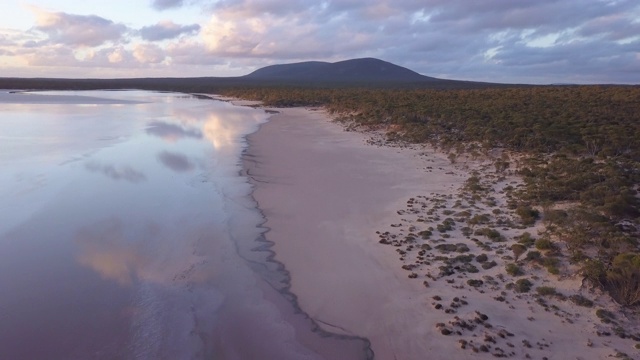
x,y
77,30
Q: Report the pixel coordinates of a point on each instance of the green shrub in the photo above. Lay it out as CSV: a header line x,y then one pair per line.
x,y
523,285
489,265
528,215
473,184
482,258
581,300
622,281
605,316
544,244
479,219
447,225
526,239
518,249
546,290
557,217
492,234
533,256
551,264
462,248
445,248
513,269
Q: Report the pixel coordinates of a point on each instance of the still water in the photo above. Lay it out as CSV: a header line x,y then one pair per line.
x,y
128,232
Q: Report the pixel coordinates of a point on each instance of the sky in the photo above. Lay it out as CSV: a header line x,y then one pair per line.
x,y
508,41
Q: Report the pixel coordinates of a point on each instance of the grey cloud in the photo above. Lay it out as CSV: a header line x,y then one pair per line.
x,y
123,173
79,30
167,30
536,41
175,161
171,132
166,4
270,7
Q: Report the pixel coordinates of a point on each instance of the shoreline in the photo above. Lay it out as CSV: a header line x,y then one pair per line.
x,y
332,202
344,305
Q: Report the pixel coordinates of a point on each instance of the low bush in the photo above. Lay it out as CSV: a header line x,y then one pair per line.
x,y
546,290
544,244
518,249
489,265
492,234
523,285
581,300
513,269
526,239
533,256
528,215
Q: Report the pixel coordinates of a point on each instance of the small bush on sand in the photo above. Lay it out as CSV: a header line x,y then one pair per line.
x,y
513,269
526,239
546,290
518,249
492,234
489,265
523,285
581,300
533,256
528,215
544,244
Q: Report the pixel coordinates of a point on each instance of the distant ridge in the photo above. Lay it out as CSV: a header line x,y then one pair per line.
x,y
365,70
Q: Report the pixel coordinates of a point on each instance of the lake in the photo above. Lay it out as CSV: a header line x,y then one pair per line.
x,y
128,231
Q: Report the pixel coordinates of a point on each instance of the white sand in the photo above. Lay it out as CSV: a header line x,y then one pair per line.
x,y
325,192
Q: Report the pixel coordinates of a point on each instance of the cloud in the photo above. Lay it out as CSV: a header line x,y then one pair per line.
x,y
493,40
148,53
125,173
166,4
77,30
192,53
167,30
175,161
171,132
104,248
538,41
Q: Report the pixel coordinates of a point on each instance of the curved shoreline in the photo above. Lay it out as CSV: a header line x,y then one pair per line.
x,y
283,285
336,302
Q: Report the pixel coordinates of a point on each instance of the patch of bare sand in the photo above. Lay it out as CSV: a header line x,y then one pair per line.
x,y
345,217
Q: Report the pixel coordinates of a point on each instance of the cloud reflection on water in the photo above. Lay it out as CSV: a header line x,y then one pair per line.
x,y
105,249
225,129
175,161
172,132
123,173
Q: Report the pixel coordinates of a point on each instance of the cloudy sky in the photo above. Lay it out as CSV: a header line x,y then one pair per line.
x,y
531,41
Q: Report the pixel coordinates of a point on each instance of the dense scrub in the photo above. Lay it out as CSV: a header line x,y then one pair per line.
x,y
579,144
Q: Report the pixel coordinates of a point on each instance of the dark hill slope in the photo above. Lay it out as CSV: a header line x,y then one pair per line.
x,y
367,72
356,70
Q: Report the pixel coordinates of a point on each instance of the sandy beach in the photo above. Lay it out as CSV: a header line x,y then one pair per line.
x,y
354,224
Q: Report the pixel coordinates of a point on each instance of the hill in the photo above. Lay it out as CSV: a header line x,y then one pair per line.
x,y
355,73
354,70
